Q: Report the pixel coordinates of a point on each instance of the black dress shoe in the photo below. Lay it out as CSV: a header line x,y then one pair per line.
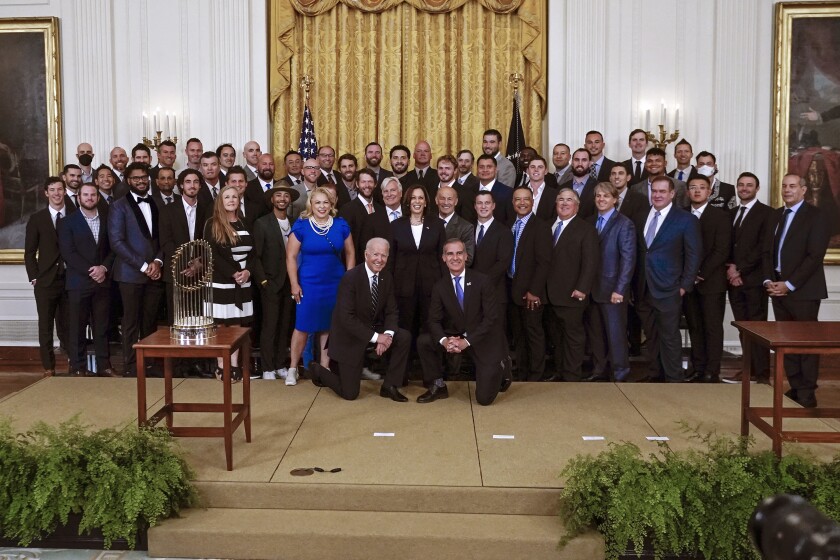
x,y
506,383
596,377
709,378
791,394
391,392
109,372
434,393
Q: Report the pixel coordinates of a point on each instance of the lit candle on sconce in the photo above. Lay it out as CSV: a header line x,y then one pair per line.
x,y
145,125
647,119
174,127
677,118
166,125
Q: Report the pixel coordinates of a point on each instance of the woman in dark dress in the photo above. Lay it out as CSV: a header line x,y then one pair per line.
x,y
315,265
231,244
416,259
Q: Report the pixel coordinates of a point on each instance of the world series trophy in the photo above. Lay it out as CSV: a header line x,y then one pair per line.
x,y
192,293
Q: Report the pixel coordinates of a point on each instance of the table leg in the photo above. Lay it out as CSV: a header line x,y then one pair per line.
x,y
746,374
141,388
245,360
167,390
228,410
778,385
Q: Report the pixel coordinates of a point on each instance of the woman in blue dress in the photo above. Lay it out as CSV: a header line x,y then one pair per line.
x,y
315,265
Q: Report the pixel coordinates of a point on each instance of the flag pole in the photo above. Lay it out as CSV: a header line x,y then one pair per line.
x,y
516,135
308,144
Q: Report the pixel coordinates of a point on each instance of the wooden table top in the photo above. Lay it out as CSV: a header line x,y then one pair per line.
x,y
226,338
792,334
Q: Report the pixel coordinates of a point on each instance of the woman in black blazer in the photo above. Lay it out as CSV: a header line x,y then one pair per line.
x,y
416,259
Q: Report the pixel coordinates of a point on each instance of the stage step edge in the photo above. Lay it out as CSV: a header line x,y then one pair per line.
x,y
262,534
392,498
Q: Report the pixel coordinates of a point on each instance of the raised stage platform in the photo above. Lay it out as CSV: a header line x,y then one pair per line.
x,y
450,479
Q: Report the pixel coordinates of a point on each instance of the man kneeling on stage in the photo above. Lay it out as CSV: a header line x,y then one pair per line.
x,y
365,315
463,319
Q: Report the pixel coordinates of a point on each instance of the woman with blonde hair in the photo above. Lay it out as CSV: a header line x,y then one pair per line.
x,y
316,264
231,246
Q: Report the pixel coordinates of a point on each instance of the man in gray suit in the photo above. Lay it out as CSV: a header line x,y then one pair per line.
x,y
655,161
490,145
561,157
456,226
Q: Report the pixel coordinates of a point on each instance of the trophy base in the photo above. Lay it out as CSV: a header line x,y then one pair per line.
x,y
192,335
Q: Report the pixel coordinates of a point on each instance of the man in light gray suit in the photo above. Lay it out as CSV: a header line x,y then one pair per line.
x,y
655,167
456,226
561,157
491,144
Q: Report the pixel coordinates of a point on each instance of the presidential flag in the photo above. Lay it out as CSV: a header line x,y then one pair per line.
x,y
308,145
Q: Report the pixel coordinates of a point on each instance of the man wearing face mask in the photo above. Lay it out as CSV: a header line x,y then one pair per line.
x,y
723,194
84,153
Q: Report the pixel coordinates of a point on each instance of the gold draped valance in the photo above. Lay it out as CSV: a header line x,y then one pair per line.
x,y
398,71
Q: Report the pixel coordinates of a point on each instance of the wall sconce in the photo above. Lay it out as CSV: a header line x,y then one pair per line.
x,y
665,137
159,129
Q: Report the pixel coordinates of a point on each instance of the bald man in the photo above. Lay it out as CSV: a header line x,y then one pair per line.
x,y
252,153
456,227
423,173
84,153
261,184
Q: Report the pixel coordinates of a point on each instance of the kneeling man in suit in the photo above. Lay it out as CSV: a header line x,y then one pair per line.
x,y
464,318
365,314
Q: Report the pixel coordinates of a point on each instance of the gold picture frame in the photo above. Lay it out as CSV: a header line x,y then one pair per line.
x,y
31,135
806,107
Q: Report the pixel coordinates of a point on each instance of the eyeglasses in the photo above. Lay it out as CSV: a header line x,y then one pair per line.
x,y
139,178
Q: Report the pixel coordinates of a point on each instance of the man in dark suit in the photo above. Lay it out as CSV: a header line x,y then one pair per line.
x,y
493,249
582,182
249,209
293,163
569,282
103,178
748,298
346,189
373,159
526,285
455,226
655,166
502,194
544,196
705,305
795,247
251,151
463,320
46,271
466,185
366,217
72,177
227,158
85,249
164,194
261,184
135,239
422,173
723,194
166,155
606,322
118,160
526,154
683,152
212,180
638,143
268,259
399,156
667,261
181,222
365,315
600,165
326,159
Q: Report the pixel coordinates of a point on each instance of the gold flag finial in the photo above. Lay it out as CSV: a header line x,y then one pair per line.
x,y
306,82
515,79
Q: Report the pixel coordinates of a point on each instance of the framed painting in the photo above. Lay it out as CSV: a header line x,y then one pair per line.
x,y
30,124
806,109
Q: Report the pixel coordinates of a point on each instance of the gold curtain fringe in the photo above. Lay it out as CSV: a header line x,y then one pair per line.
x,y
318,7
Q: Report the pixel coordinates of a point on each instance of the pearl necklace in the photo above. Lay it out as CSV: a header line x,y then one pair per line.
x,y
321,229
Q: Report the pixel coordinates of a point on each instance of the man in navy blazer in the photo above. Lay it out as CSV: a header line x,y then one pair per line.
x,y
606,324
135,240
85,249
502,194
668,258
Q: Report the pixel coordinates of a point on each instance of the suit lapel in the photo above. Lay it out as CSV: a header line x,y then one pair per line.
x,y
666,224
138,214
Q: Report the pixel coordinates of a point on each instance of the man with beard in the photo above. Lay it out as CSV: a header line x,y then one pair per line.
x,y
268,261
723,194
326,160
195,151
227,157
466,185
141,153
261,184
422,173
252,152
84,154
346,186
46,271
72,177
582,182
491,145
399,155
135,239
655,161
118,160
373,157
85,249
366,217
456,227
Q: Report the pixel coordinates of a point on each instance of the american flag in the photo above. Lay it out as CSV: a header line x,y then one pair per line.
x,y
308,146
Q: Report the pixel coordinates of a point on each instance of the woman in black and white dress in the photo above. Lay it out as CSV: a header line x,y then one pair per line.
x,y
231,245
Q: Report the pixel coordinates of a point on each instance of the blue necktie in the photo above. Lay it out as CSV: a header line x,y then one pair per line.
x,y
459,292
651,231
517,228
600,223
480,234
557,231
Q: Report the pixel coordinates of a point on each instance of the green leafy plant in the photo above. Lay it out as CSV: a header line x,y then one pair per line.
x,y
119,481
696,502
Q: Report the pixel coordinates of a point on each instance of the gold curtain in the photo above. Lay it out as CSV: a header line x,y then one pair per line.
x,y
400,71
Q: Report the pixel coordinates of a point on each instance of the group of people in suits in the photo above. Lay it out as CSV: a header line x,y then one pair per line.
x,y
576,261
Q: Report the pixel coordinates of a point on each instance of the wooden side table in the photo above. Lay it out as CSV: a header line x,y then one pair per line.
x,y
786,337
225,343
